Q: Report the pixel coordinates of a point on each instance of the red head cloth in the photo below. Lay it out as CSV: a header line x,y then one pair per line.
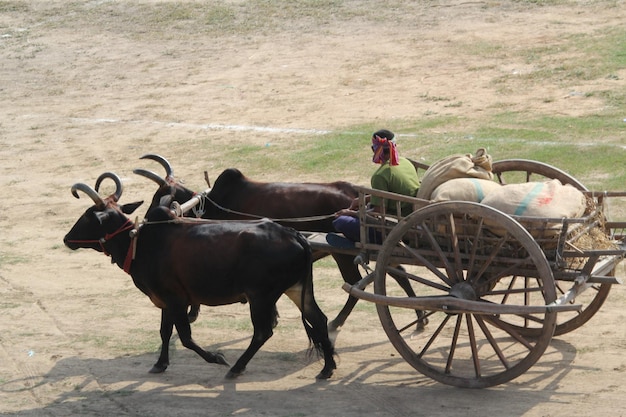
x,y
379,145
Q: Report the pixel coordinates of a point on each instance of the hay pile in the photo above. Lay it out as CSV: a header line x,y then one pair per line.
x,y
594,239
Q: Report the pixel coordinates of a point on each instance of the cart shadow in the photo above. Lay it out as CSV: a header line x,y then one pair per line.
x,y
380,386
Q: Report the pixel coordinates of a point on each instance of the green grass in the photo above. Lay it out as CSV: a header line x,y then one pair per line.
x,y
592,148
328,152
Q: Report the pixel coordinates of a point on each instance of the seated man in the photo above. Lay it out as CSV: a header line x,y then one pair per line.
x,y
396,174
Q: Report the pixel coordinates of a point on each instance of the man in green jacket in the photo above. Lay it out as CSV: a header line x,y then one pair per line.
x,y
396,174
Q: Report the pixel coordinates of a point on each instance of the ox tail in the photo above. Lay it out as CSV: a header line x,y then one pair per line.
x,y
306,284
314,320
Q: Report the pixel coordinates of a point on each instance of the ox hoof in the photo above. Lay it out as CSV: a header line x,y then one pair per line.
x,y
233,374
220,359
325,374
421,324
158,369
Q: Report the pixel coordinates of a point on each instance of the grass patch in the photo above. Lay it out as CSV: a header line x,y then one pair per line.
x,y
176,20
589,56
589,148
14,6
12,259
328,152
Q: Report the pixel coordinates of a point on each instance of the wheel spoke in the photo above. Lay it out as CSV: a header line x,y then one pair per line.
x,y
425,262
413,323
474,248
523,316
455,338
492,256
421,280
501,274
472,341
451,278
526,298
492,341
510,291
458,266
510,330
432,339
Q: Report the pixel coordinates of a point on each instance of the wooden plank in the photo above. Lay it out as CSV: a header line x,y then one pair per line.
x,y
451,304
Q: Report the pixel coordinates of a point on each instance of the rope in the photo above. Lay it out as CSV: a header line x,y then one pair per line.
x,y
198,210
292,219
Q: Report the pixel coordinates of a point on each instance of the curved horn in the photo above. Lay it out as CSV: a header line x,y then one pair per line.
x,y
169,172
118,184
150,175
89,191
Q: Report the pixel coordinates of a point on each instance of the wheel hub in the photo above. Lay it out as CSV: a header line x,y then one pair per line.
x,y
464,291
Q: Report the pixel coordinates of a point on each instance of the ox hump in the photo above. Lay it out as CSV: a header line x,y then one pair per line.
x,y
229,177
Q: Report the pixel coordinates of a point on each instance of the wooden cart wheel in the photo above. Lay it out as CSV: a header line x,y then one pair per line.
x,y
514,171
591,301
511,171
449,249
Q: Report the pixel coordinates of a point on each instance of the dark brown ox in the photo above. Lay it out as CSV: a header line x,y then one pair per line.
x,y
178,262
233,197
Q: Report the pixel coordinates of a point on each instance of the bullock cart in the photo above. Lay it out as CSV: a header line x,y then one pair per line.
x,y
491,289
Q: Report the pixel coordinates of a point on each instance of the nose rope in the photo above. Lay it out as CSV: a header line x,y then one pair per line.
x,y
128,225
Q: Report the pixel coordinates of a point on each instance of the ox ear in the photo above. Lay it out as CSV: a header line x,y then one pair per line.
x,y
130,207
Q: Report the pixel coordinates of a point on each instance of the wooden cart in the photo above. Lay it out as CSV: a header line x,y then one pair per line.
x,y
472,297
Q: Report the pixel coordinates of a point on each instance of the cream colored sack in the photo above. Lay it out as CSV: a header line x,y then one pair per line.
x,y
464,189
455,166
549,199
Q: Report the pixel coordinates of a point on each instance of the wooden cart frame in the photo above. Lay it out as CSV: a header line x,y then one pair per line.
x,y
471,296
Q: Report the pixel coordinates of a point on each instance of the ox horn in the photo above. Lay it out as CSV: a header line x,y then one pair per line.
x,y
118,184
89,191
169,172
150,175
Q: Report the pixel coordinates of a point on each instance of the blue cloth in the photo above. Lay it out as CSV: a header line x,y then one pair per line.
x,y
350,227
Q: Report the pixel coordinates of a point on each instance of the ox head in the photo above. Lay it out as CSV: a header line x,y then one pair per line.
x,y
169,189
102,221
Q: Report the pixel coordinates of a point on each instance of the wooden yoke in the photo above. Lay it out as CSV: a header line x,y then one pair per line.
x,y
180,209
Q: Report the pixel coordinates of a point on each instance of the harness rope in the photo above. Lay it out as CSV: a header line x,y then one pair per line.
x,y
255,216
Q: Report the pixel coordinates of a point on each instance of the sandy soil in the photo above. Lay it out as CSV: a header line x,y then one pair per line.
x,y
77,338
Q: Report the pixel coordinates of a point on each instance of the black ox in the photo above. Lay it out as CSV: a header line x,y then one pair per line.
x,y
233,197
177,263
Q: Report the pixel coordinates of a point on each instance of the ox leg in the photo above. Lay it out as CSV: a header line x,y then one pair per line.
x,y
315,324
351,275
179,317
263,314
167,326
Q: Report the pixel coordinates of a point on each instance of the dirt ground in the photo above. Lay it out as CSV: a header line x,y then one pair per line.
x,y
77,338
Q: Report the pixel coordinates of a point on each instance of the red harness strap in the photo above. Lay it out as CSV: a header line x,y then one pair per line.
x,y
132,248
130,255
